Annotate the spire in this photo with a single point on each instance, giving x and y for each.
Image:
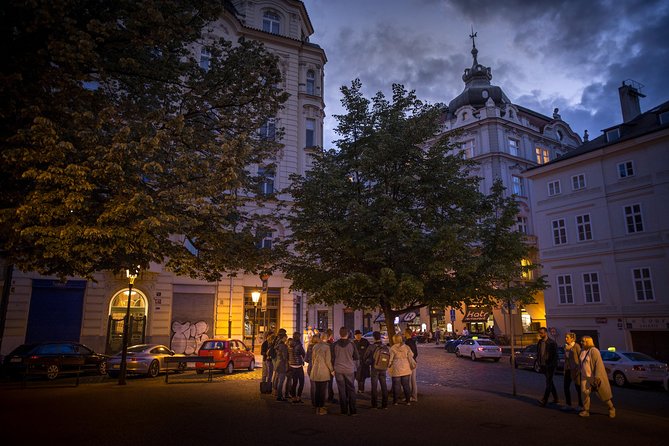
(474, 50)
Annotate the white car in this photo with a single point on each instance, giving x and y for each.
(479, 349)
(633, 367)
(370, 338)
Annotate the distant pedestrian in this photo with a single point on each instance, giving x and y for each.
(465, 332)
(377, 357)
(594, 378)
(547, 359)
(345, 361)
(361, 344)
(437, 336)
(572, 369)
(401, 365)
(295, 368)
(411, 343)
(321, 370)
(267, 366)
(281, 367)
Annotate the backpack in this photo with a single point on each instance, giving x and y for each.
(381, 358)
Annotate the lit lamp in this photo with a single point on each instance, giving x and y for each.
(131, 275)
(255, 296)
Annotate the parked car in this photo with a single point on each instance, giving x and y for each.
(146, 359)
(370, 338)
(633, 367)
(229, 354)
(53, 359)
(477, 348)
(527, 358)
(451, 344)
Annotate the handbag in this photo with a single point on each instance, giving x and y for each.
(412, 362)
(596, 383)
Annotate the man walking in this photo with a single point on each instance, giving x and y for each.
(547, 358)
(378, 358)
(345, 361)
(361, 345)
(572, 369)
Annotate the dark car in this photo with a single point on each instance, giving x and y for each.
(52, 359)
(527, 358)
(451, 344)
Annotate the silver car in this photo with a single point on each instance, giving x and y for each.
(633, 367)
(146, 359)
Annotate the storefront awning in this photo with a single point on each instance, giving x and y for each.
(404, 317)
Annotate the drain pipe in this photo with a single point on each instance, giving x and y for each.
(230, 310)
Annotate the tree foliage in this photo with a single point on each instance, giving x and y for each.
(395, 219)
(116, 144)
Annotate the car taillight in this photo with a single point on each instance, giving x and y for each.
(639, 368)
(34, 357)
(499, 348)
(480, 349)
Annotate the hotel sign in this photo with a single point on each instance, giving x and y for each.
(647, 323)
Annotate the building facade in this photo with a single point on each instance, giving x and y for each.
(602, 223)
(504, 139)
(178, 311)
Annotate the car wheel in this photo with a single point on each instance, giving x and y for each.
(473, 356)
(457, 352)
(154, 369)
(113, 375)
(102, 368)
(182, 366)
(619, 379)
(199, 371)
(536, 367)
(52, 371)
(230, 368)
(495, 359)
(252, 366)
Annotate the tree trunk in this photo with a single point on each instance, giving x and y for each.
(389, 316)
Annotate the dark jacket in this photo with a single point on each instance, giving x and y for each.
(362, 346)
(411, 342)
(551, 356)
(295, 353)
(281, 358)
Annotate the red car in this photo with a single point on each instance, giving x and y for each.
(229, 354)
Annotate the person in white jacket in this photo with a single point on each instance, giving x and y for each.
(400, 366)
(320, 371)
(593, 378)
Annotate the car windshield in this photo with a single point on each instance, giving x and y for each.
(637, 357)
(214, 345)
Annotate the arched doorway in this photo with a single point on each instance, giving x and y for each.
(118, 306)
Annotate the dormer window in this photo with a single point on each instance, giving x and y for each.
(664, 118)
(613, 135)
(464, 116)
(271, 22)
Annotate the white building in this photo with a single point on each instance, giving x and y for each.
(178, 311)
(601, 215)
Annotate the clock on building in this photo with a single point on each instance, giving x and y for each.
(484, 93)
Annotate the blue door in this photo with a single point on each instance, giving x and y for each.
(56, 310)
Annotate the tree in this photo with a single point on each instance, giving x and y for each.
(120, 148)
(395, 220)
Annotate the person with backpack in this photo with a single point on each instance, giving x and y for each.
(295, 368)
(345, 361)
(361, 344)
(377, 357)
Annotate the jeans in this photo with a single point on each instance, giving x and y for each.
(360, 375)
(296, 379)
(404, 381)
(379, 379)
(550, 386)
(319, 389)
(346, 392)
(280, 381)
(267, 371)
(567, 392)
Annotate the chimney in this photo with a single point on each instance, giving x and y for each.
(629, 99)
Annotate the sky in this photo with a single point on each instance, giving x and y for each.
(544, 54)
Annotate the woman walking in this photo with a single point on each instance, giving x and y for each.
(593, 378)
(400, 366)
(321, 371)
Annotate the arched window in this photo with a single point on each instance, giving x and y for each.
(311, 82)
(271, 22)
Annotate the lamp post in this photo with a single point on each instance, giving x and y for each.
(131, 275)
(255, 296)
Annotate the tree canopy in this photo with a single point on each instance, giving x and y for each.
(394, 218)
(121, 147)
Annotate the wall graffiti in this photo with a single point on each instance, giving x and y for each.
(187, 337)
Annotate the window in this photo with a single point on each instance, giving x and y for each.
(554, 188)
(514, 147)
(591, 288)
(205, 59)
(633, 219)
(613, 135)
(310, 132)
(467, 149)
(559, 232)
(271, 22)
(268, 130)
(565, 291)
(578, 181)
(527, 273)
(643, 284)
(521, 224)
(583, 227)
(264, 240)
(311, 82)
(626, 169)
(267, 183)
(518, 185)
(322, 317)
(664, 118)
(543, 156)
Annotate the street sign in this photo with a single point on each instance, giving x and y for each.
(452, 315)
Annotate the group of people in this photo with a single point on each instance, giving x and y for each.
(346, 362)
(583, 367)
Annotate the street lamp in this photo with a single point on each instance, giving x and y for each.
(255, 296)
(131, 275)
